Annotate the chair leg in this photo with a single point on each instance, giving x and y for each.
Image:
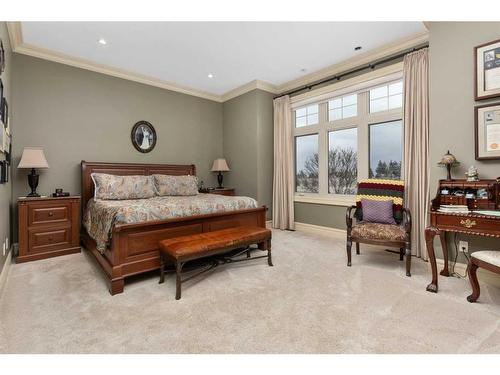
(348, 247)
(357, 248)
(408, 259)
(401, 253)
(474, 283)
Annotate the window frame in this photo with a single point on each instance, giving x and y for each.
(362, 122)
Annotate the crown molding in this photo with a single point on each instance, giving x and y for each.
(18, 46)
(252, 85)
(356, 61)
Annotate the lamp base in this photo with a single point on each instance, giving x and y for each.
(33, 183)
(220, 177)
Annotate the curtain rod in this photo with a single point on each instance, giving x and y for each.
(338, 77)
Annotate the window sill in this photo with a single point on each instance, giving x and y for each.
(345, 201)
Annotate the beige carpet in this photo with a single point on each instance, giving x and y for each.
(309, 302)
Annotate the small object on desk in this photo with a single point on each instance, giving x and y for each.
(472, 174)
(449, 160)
(60, 193)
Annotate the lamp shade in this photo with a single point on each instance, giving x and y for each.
(220, 165)
(33, 157)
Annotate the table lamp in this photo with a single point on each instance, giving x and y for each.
(448, 160)
(220, 165)
(33, 158)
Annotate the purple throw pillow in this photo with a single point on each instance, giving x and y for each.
(377, 211)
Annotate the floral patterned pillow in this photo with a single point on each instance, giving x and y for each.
(111, 187)
(175, 185)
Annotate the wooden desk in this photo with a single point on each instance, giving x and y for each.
(475, 224)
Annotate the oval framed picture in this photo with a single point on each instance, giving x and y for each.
(143, 136)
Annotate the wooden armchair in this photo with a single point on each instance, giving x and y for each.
(391, 235)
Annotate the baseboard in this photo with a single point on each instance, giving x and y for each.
(482, 274)
(318, 229)
(5, 271)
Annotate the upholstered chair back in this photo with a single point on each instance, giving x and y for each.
(381, 190)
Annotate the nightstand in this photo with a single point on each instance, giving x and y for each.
(48, 227)
(223, 191)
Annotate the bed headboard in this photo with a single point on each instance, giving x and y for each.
(123, 169)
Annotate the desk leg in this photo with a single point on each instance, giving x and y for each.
(444, 246)
(430, 233)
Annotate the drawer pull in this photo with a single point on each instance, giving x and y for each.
(468, 223)
(51, 214)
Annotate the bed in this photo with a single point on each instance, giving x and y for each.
(132, 247)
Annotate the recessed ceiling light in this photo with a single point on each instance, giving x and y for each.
(210, 75)
(303, 70)
(357, 48)
(102, 41)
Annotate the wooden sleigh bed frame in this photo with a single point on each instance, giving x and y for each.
(134, 247)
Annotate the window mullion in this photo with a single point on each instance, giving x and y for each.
(323, 149)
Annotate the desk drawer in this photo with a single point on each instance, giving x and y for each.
(49, 214)
(473, 224)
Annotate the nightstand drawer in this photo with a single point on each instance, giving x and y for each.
(48, 214)
(53, 239)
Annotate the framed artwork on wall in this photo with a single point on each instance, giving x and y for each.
(487, 74)
(3, 133)
(143, 136)
(2, 57)
(5, 112)
(487, 131)
(1, 100)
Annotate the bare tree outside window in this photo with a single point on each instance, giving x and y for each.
(342, 161)
(306, 164)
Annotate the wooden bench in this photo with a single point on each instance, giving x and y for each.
(180, 250)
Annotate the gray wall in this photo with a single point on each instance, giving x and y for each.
(451, 79)
(75, 115)
(5, 189)
(248, 145)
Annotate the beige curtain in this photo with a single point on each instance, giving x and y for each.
(283, 217)
(416, 145)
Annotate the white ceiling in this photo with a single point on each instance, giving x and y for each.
(236, 53)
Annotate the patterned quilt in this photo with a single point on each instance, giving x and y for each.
(101, 215)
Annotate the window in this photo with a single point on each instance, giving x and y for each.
(344, 107)
(307, 116)
(342, 161)
(385, 150)
(386, 97)
(306, 164)
(357, 135)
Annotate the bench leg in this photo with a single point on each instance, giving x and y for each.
(162, 269)
(474, 283)
(178, 281)
(269, 257)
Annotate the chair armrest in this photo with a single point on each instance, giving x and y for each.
(407, 220)
(348, 216)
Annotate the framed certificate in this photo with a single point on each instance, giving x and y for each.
(487, 131)
(487, 62)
